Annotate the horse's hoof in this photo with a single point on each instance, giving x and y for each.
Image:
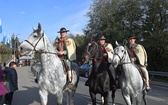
(36, 81)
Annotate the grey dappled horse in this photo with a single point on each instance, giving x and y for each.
(131, 81)
(52, 77)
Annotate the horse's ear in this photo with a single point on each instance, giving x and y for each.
(125, 42)
(39, 26)
(116, 43)
(33, 29)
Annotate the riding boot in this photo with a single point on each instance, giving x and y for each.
(87, 83)
(36, 80)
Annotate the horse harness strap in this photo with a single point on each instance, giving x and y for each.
(34, 46)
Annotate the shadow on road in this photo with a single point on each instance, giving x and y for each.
(29, 96)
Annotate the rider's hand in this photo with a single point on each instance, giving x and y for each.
(133, 59)
(105, 54)
(60, 53)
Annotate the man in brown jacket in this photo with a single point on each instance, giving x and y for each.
(139, 57)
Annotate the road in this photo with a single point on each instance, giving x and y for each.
(28, 92)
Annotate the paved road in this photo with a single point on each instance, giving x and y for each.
(28, 92)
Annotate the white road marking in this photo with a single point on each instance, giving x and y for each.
(155, 98)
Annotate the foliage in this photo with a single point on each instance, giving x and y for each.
(5, 53)
(15, 45)
(147, 19)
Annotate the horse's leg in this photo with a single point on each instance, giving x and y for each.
(131, 98)
(144, 97)
(138, 99)
(106, 96)
(93, 97)
(102, 100)
(71, 98)
(127, 98)
(43, 96)
(68, 97)
(59, 98)
(113, 96)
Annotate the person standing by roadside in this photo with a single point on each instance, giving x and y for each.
(3, 90)
(11, 82)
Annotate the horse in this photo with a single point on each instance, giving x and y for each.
(131, 81)
(52, 77)
(100, 82)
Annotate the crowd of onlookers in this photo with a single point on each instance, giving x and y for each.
(8, 83)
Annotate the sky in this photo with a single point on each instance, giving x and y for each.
(19, 16)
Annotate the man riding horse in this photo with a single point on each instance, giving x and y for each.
(139, 57)
(66, 51)
(107, 51)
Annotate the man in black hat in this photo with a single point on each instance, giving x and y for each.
(139, 57)
(66, 50)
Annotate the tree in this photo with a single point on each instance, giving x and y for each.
(147, 19)
(156, 33)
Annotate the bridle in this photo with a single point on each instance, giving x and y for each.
(121, 58)
(34, 46)
(89, 54)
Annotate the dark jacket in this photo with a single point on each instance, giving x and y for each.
(11, 79)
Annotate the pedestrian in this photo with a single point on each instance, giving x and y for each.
(139, 57)
(3, 90)
(11, 82)
(67, 52)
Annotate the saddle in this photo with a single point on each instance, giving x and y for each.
(65, 65)
(141, 73)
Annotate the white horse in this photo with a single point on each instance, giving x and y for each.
(131, 81)
(52, 77)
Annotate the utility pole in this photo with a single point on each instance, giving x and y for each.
(15, 37)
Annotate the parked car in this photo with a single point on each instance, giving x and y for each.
(84, 70)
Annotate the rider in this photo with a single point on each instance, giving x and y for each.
(107, 50)
(139, 57)
(66, 51)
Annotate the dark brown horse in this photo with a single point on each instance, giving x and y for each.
(100, 79)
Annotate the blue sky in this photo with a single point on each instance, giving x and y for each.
(19, 16)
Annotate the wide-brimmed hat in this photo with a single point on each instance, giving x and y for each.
(63, 30)
(132, 37)
(102, 37)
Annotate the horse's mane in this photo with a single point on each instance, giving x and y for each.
(129, 53)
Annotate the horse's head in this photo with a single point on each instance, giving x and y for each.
(92, 50)
(119, 53)
(35, 41)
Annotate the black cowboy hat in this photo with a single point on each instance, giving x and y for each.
(132, 36)
(63, 30)
(102, 37)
